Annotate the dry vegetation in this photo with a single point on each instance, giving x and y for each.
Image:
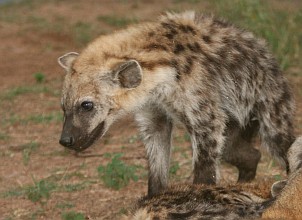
(40, 179)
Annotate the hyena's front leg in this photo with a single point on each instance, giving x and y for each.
(156, 128)
(207, 141)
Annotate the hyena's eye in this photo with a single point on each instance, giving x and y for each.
(87, 105)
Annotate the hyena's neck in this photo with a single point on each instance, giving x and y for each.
(155, 88)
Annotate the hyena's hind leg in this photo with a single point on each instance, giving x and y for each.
(275, 115)
(239, 150)
(156, 130)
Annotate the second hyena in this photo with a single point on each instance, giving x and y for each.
(218, 80)
(229, 202)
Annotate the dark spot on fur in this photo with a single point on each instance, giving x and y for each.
(171, 26)
(277, 108)
(213, 117)
(194, 47)
(226, 200)
(188, 65)
(286, 96)
(184, 215)
(110, 111)
(151, 65)
(204, 152)
(169, 36)
(171, 33)
(178, 48)
(204, 135)
(73, 71)
(187, 29)
(213, 143)
(175, 65)
(151, 34)
(208, 194)
(155, 46)
(166, 25)
(207, 39)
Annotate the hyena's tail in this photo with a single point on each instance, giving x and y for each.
(275, 115)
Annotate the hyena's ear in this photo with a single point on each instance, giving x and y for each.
(66, 60)
(128, 74)
(277, 187)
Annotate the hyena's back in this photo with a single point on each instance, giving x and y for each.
(201, 202)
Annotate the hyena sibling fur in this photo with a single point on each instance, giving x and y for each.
(218, 80)
(202, 202)
(240, 201)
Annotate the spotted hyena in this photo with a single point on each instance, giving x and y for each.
(218, 80)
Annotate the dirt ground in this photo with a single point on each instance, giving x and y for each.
(32, 36)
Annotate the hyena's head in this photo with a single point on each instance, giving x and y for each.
(91, 97)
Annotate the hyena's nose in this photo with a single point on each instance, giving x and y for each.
(67, 141)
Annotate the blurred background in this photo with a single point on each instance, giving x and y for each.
(39, 179)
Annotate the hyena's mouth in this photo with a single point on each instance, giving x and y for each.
(86, 141)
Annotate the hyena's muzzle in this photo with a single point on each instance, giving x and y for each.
(77, 138)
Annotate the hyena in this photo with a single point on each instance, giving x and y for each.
(240, 201)
(218, 80)
(203, 202)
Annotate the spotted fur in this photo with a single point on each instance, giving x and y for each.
(202, 202)
(219, 81)
(240, 201)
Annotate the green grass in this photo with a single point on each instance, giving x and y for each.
(27, 151)
(174, 168)
(72, 215)
(116, 174)
(44, 118)
(56, 117)
(187, 1)
(41, 190)
(82, 32)
(39, 77)
(75, 187)
(7, 12)
(37, 21)
(4, 136)
(64, 205)
(22, 90)
(118, 22)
